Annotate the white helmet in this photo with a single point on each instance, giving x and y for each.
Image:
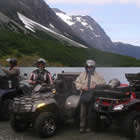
(114, 83)
(41, 60)
(90, 63)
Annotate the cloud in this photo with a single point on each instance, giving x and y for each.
(94, 2)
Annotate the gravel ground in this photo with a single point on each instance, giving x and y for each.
(68, 132)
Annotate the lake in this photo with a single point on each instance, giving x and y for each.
(108, 72)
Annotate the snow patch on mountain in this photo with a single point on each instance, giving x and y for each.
(65, 18)
(32, 25)
(72, 20)
(27, 22)
(51, 26)
(82, 30)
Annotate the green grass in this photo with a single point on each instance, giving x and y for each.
(28, 48)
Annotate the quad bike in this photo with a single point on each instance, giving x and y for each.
(7, 93)
(43, 110)
(120, 105)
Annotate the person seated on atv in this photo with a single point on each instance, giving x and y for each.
(13, 73)
(85, 82)
(40, 75)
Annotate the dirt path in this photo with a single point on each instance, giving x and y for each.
(65, 133)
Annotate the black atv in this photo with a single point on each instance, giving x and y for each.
(120, 105)
(43, 111)
(7, 93)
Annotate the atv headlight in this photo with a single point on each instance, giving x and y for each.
(118, 107)
(53, 91)
(96, 105)
(40, 105)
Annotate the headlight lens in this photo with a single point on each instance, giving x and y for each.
(118, 107)
(40, 105)
(54, 91)
(96, 105)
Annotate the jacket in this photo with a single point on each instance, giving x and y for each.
(82, 80)
(13, 75)
(40, 76)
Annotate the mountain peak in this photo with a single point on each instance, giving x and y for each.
(56, 10)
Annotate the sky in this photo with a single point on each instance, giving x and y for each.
(120, 19)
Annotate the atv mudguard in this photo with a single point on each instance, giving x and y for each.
(7, 93)
(133, 105)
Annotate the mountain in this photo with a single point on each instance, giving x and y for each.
(31, 29)
(88, 29)
(40, 12)
(127, 49)
(93, 34)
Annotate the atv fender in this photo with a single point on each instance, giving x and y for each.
(72, 102)
(6, 93)
(134, 104)
(45, 102)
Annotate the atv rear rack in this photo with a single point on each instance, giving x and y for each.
(112, 99)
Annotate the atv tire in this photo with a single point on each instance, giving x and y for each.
(5, 111)
(45, 125)
(17, 125)
(132, 125)
(96, 122)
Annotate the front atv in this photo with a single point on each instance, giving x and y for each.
(38, 111)
(43, 111)
(118, 105)
(7, 93)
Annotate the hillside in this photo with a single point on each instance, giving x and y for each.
(28, 48)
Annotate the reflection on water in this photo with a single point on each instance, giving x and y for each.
(108, 73)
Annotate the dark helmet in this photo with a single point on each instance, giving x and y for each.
(12, 61)
(114, 83)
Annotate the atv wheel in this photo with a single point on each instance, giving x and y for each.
(96, 122)
(45, 125)
(17, 125)
(99, 124)
(132, 125)
(6, 110)
(136, 125)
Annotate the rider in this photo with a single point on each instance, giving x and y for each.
(13, 73)
(85, 82)
(40, 75)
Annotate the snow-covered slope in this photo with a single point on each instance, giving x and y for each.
(88, 29)
(33, 26)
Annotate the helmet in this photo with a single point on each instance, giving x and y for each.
(12, 61)
(114, 83)
(90, 63)
(41, 60)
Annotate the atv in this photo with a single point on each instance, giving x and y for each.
(7, 93)
(120, 105)
(44, 110)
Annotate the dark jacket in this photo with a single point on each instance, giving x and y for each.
(40, 77)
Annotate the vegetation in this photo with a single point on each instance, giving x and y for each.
(28, 48)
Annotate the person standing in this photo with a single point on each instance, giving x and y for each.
(86, 82)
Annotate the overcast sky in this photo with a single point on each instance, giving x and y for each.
(120, 19)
